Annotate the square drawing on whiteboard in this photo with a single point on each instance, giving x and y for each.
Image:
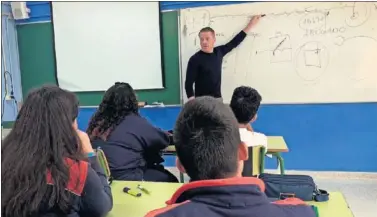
(313, 58)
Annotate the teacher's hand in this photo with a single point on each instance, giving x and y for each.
(254, 20)
(191, 98)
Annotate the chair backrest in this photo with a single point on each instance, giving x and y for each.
(252, 166)
(103, 162)
(101, 156)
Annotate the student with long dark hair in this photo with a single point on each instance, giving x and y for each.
(131, 144)
(44, 168)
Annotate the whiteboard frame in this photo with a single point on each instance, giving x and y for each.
(181, 79)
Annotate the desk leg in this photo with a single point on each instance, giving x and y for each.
(262, 156)
(280, 162)
(181, 177)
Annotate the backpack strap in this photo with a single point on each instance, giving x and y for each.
(320, 195)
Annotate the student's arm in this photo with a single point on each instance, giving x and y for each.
(96, 199)
(191, 73)
(239, 37)
(158, 139)
(249, 128)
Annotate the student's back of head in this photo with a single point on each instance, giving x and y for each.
(118, 102)
(207, 140)
(209, 149)
(42, 136)
(245, 103)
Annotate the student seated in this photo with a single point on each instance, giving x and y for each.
(245, 103)
(131, 144)
(48, 167)
(209, 150)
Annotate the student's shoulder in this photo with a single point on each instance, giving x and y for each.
(253, 138)
(294, 207)
(177, 209)
(245, 134)
(132, 119)
(78, 175)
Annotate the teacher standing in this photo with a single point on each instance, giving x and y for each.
(204, 67)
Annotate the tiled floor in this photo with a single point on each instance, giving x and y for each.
(359, 189)
(361, 195)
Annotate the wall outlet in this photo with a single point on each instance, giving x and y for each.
(8, 97)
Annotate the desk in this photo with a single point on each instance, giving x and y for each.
(276, 145)
(127, 205)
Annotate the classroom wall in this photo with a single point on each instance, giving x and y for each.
(10, 63)
(324, 137)
(38, 64)
(37, 37)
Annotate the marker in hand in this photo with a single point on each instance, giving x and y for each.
(131, 192)
(263, 15)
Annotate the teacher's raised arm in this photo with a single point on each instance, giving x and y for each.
(204, 67)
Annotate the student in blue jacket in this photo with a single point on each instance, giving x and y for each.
(131, 144)
(210, 151)
(48, 167)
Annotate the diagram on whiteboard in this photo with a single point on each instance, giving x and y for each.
(281, 50)
(298, 47)
(360, 14)
(311, 61)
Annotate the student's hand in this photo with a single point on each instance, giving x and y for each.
(85, 142)
(249, 128)
(191, 98)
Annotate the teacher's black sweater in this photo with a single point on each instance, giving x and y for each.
(204, 69)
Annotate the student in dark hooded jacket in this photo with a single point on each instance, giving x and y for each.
(131, 144)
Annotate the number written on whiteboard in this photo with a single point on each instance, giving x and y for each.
(313, 21)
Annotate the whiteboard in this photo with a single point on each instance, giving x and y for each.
(100, 43)
(300, 52)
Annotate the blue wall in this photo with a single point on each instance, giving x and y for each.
(340, 137)
(9, 63)
(323, 137)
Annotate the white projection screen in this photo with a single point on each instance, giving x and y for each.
(100, 43)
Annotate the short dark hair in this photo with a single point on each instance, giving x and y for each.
(207, 29)
(207, 139)
(245, 103)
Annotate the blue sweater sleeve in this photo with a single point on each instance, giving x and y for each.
(232, 43)
(96, 199)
